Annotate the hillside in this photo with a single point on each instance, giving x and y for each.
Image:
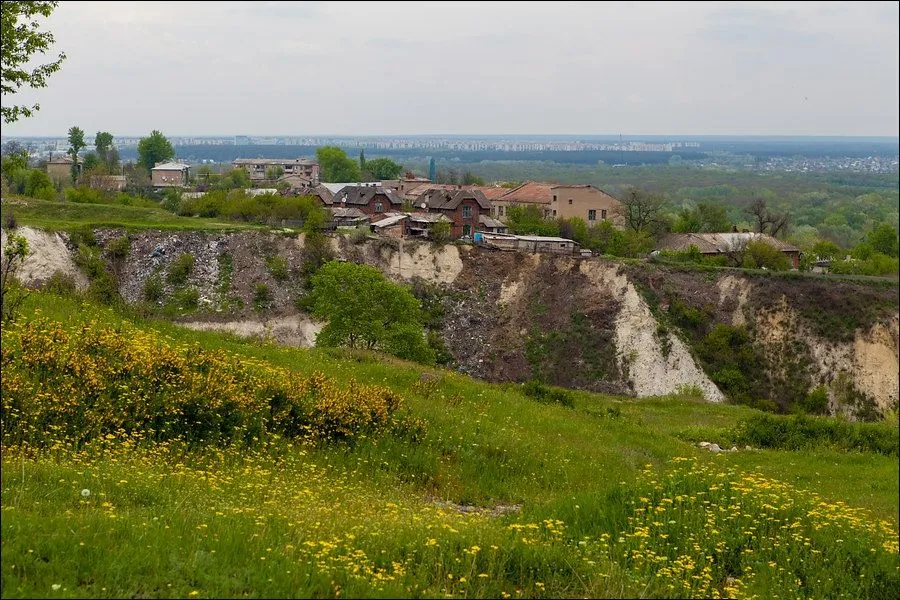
(629, 327)
(478, 490)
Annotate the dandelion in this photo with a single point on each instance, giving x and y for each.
(85, 493)
(55, 586)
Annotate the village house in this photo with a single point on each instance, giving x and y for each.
(585, 202)
(714, 244)
(392, 225)
(527, 243)
(59, 169)
(108, 183)
(463, 208)
(371, 200)
(319, 192)
(491, 225)
(260, 168)
(293, 182)
(557, 201)
(409, 182)
(170, 174)
(420, 224)
(347, 217)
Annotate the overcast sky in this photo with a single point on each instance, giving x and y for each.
(286, 68)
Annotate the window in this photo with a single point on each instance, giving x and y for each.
(467, 212)
(592, 215)
(467, 230)
(570, 201)
(554, 197)
(500, 211)
(554, 213)
(603, 214)
(379, 207)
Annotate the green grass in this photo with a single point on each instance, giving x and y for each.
(63, 216)
(360, 519)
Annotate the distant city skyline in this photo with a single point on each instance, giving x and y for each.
(358, 69)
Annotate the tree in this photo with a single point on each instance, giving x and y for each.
(365, 310)
(108, 155)
(336, 166)
(883, 239)
(154, 149)
(704, 218)
(642, 212)
(470, 178)
(528, 219)
(432, 171)
(22, 38)
(383, 168)
(765, 220)
(11, 292)
(76, 143)
(274, 172)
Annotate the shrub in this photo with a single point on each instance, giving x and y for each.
(61, 284)
(278, 268)
(197, 395)
(104, 288)
(187, 298)
(153, 289)
(547, 395)
(801, 432)
(760, 254)
(359, 235)
(262, 295)
(180, 269)
(118, 248)
(9, 221)
(816, 402)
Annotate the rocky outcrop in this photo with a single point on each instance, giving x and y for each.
(584, 323)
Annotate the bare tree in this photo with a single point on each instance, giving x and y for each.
(767, 221)
(641, 211)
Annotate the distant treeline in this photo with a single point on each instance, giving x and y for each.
(229, 153)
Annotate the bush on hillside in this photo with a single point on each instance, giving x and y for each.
(70, 387)
(801, 432)
(547, 395)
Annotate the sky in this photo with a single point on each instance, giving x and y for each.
(384, 68)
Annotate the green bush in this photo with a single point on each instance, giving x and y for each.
(547, 395)
(816, 402)
(262, 296)
(181, 269)
(153, 289)
(760, 254)
(118, 248)
(278, 268)
(802, 432)
(61, 284)
(186, 298)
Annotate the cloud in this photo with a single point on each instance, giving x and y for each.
(477, 67)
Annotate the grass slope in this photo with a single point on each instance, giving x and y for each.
(62, 216)
(614, 501)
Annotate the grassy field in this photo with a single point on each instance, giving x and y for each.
(495, 495)
(62, 216)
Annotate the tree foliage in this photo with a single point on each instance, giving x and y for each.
(383, 168)
(76, 142)
(706, 217)
(154, 149)
(336, 166)
(365, 310)
(22, 39)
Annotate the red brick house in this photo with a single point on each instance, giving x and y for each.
(463, 207)
(371, 200)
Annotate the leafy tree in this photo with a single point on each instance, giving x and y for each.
(38, 185)
(642, 212)
(883, 239)
(91, 161)
(154, 149)
(76, 143)
(760, 254)
(108, 154)
(470, 178)
(273, 172)
(335, 165)
(12, 294)
(383, 168)
(703, 218)
(528, 219)
(365, 310)
(826, 250)
(22, 38)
